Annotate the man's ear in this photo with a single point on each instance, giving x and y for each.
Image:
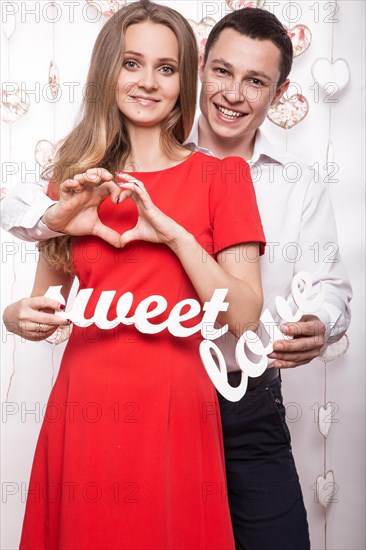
(280, 91)
(201, 65)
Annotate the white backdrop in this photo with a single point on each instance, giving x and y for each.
(28, 369)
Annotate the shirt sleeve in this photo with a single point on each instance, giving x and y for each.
(234, 212)
(321, 257)
(22, 209)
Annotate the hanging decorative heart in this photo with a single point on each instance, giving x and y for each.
(3, 192)
(9, 25)
(325, 419)
(289, 111)
(326, 72)
(326, 488)
(239, 4)
(202, 30)
(335, 350)
(107, 7)
(45, 152)
(14, 105)
(62, 334)
(300, 36)
(54, 79)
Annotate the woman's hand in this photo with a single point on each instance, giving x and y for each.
(76, 212)
(32, 318)
(152, 225)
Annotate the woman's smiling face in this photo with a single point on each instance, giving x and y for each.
(148, 83)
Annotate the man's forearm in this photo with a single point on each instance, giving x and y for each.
(21, 213)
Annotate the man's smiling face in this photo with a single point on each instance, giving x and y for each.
(239, 84)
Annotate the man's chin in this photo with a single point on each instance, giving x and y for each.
(226, 131)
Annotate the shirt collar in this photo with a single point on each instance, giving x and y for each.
(263, 148)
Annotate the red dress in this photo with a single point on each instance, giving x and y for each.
(130, 453)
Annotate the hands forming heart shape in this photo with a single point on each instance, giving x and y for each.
(76, 212)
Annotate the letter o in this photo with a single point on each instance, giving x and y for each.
(52, 497)
(287, 256)
(85, 15)
(256, 172)
(47, 93)
(90, 92)
(286, 12)
(46, 412)
(92, 418)
(54, 7)
(90, 497)
(91, 333)
(298, 412)
(297, 89)
(286, 176)
(92, 253)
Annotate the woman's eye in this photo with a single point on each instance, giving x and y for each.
(130, 64)
(167, 69)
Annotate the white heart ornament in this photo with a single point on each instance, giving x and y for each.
(239, 4)
(62, 334)
(326, 488)
(325, 419)
(107, 7)
(54, 79)
(335, 350)
(14, 105)
(45, 152)
(300, 36)
(289, 111)
(202, 30)
(326, 72)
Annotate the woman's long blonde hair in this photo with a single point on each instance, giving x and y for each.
(100, 138)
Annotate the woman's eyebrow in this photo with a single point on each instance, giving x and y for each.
(161, 59)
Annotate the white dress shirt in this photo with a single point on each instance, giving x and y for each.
(299, 225)
(298, 221)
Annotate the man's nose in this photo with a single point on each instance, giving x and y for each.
(234, 93)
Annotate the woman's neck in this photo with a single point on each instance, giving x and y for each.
(147, 154)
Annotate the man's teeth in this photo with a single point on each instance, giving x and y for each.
(231, 114)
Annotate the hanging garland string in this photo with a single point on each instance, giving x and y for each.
(10, 157)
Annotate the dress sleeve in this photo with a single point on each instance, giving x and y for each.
(233, 206)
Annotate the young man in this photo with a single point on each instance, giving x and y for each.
(244, 71)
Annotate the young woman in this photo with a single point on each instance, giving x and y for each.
(130, 452)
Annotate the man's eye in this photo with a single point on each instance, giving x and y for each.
(256, 82)
(221, 71)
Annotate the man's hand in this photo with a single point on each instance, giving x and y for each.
(308, 339)
(76, 212)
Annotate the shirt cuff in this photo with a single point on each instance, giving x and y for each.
(328, 315)
(42, 232)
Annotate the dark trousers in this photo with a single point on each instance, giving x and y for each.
(266, 503)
